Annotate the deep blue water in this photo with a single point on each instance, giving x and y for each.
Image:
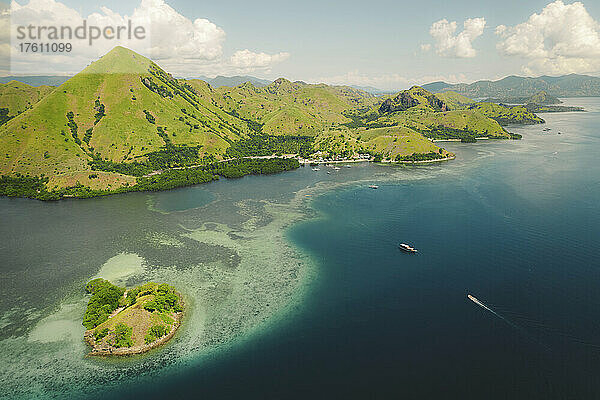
(518, 229)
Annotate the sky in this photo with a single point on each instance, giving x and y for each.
(385, 44)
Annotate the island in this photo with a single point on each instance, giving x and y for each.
(125, 321)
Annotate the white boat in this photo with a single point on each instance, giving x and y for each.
(373, 187)
(316, 169)
(407, 248)
(336, 168)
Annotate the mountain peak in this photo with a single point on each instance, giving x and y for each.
(282, 85)
(120, 60)
(415, 96)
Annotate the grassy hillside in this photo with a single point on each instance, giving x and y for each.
(121, 108)
(290, 108)
(454, 100)
(414, 97)
(398, 141)
(17, 97)
(506, 115)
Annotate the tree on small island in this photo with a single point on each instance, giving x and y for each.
(130, 321)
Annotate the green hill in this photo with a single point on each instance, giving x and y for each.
(454, 100)
(122, 108)
(289, 108)
(414, 97)
(542, 97)
(16, 97)
(507, 115)
(450, 116)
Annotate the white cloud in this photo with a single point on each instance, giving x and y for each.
(248, 60)
(426, 47)
(181, 45)
(450, 44)
(563, 38)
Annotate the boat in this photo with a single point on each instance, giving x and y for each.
(407, 248)
(373, 187)
(336, 168)
(479, 303)
(316, 169)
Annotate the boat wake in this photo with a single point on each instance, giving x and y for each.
(538, 327)
(485, 307)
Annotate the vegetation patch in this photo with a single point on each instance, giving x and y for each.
(99, 108)
(73, 127)
(104, 300)
(4, 117)
(122, 336)
(149, 117)
(154, 333)
(244, 166)
(266, 145)
(420, 157)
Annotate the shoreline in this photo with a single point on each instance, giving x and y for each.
(424, 161)
(305, 162)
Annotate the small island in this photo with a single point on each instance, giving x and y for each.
(124, 321)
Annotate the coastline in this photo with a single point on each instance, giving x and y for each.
(424, 161)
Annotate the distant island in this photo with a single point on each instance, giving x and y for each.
(123, 124)
(572, 85)
(130, 321)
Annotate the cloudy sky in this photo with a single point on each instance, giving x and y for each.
(388, 44)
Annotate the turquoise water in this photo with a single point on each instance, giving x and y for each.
(297, 288)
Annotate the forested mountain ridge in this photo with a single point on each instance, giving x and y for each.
(572, 85)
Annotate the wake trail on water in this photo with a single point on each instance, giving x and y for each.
(539, 326)
(520, 330)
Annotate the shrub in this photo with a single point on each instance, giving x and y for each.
(123, 336)
(104, 300)
(100, 334)
(155, 332)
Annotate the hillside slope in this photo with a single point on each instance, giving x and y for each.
(16, 96)
(289, 108)
(121, 108)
